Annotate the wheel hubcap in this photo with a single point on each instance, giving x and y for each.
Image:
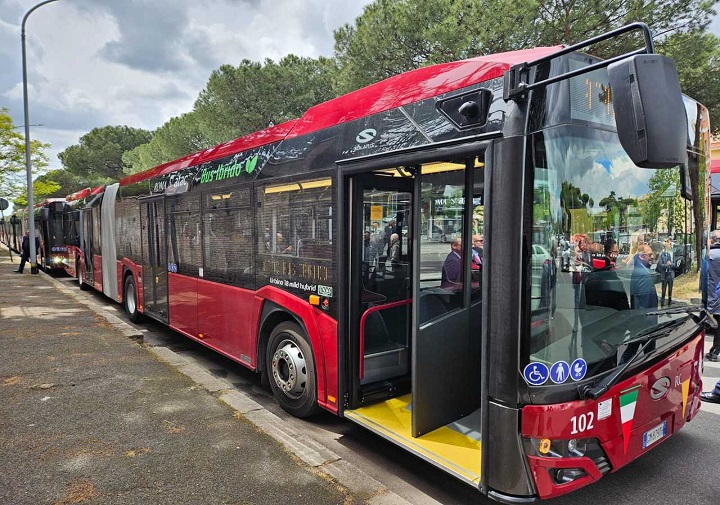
(130, 300)
(288, 369)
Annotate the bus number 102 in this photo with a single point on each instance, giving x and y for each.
(581, 423)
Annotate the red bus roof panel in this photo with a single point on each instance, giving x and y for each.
(250, 141)
(411, 87)
(78, 195)
(390, 93)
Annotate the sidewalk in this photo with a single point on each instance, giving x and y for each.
(88, 415)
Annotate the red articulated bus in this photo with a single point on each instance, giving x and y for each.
(312, 252)
(79, 256)
(49, 226)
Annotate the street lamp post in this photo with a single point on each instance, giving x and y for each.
(28, 162)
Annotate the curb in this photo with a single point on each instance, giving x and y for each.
(303, 447)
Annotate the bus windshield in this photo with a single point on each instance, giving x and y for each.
(609, 238)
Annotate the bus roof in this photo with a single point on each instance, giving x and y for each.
(396, 91)
(78, 195)
(47, 201)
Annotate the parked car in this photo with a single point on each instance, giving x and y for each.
(539, 256)
(683, 258)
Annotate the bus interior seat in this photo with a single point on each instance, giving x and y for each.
(376, 333)
(432, 305)
(314, 248)
(381, 266)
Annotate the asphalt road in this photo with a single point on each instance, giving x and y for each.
(684, 469)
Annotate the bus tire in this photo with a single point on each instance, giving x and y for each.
(130, 299)
(291, 370)
(78, 275)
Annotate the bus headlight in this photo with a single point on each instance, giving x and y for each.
(57, 260)
(572, 448)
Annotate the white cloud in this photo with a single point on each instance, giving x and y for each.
(141, 62)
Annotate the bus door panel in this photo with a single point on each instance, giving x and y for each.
(154, 258)
(381, 279)
(184, 261)
(96, 247)
(86, 222)
(446, 316)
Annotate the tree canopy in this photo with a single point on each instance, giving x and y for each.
(65, 182)
(237, 101)
(97, 159)
(12, 158)
(243, 99)
(176, 138)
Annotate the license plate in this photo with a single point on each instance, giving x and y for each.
(652, 436)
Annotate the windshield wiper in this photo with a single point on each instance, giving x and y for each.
(656, 332)
(587, 391)
(702, 317)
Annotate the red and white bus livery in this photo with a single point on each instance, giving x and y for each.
(393, 256)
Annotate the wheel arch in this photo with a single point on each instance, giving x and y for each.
(271, 316)
(131, 268)
(279, 306)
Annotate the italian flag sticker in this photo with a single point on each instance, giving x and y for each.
(628, 400)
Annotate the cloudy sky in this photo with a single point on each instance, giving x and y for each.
(94, 63)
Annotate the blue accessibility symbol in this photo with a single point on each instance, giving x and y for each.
(536, 374)
(578, 369)
(559, 372)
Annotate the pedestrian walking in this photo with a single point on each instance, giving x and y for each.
(25, 254)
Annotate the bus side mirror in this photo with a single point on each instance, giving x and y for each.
(649, 110)
(44, 214)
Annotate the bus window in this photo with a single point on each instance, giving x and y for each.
(441, 265)
(586, 312)
(227, 236)
(185, 234)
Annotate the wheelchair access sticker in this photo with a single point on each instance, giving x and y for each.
(536, 374)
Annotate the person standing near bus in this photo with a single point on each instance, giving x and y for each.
(642, 295)
(394, 250)
(389, 231)
(25, 255)
(642, 288)
(667, 272)
(582, 265)
(477, 251)
(712, 290)
(711, 294)
(14, 225)
(452, 269)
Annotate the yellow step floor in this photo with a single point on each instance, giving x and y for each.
(455, 447)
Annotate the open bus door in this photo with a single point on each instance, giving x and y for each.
(380, 276)
(447, 313)
(414, 343)
(86, 246)
(154, 258)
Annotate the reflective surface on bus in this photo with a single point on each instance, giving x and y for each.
(442, 263)
(609, 240)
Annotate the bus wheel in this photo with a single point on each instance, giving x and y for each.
(78, 274)
(130, 300)
(291, 370)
